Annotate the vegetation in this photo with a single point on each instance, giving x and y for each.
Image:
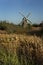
(20, 47)
(8, 27)
(35, 25)
(12, 28)
(21, 50)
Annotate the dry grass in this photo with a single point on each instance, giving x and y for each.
(24, 46)
(14, 40)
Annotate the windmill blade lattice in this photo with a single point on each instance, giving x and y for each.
(29, 21)
(28, 15)
(25, 19)
(21, 14)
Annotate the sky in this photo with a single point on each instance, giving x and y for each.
(9, 10)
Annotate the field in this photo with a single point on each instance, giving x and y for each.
(21, 49)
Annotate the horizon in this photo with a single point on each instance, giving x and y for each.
(9, 10)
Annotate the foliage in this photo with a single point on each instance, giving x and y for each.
(12, 28)
(8, 27)
(35, 25)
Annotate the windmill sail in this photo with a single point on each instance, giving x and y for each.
(24, 22)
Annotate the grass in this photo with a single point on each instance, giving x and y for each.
(17, 49)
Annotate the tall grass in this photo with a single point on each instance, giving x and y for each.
(21, 52)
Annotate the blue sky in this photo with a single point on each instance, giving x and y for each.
(9, 10)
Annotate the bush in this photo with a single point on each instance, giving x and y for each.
(8, 27)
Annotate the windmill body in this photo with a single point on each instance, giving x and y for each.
(24, 22)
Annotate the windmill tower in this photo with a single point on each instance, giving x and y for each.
(25, 21)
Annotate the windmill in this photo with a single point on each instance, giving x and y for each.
(25, 21)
